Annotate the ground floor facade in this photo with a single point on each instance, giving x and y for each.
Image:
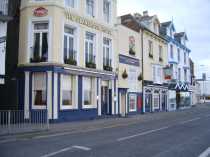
(155, 98)
(67, 93)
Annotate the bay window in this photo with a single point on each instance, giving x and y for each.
(90, 7)
(132, 103)
(90, 50)
(69, 46)
(107, 10)
(107, 55)
(40, 42)
(39, 91)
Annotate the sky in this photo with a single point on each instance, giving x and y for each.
(192, 16)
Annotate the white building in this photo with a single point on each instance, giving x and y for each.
(178, 63)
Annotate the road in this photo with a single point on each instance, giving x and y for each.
(183, 133)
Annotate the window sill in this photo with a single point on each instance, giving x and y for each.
(36, 107)
(89, 106)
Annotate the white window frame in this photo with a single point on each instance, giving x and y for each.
(30, 36)
(75, 42)
(94, 46)
(73, 7)
(93, 94)
(110, 12)
(135, 97)
(94, 9)
(37, 107)
(109, 47)
(74, 83)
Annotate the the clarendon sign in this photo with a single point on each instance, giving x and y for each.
(87, 23)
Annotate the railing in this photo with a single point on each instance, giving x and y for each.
(71, 59)
(3, 7)
(107, 64)
(13, 122)
(90, 60)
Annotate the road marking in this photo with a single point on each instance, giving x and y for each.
(58, 152)
(82, 148)
(205, 153)
(191, 120)
(6, 141)
(141, 134)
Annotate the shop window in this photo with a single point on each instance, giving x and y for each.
(40, 42)
(132, 102)
(89, 92)
(39, 90)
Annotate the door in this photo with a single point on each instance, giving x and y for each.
(104, 100)
(148, 102)
(123, 104)
(164, 101)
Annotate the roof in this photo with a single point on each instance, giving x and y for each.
(180, 35)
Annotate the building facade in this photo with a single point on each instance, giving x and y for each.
(129, 61)
(66, 58)
(178, 65)
(154, 61)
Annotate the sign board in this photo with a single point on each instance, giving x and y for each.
(40, 12)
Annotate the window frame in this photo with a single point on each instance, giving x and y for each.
(93, 9)
(107, 18)
(150, 47)
(135, 97)
(105, 48)
(74, 92)
(93, 42)
(39, 107)
(93, 104)
(69, 6)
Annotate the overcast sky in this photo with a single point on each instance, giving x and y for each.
(192, 16)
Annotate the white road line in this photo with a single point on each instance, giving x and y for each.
(190, 120)
(58, 152)
(6, 141)
(205, 153)
(141, 134)
(82, 148)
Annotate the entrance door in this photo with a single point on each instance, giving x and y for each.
(148, 102)
(164, 102)
(123, 104)
(104, 101)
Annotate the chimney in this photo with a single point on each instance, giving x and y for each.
(145, 13)
(137, 16)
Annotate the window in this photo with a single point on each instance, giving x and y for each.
(156, 100)
(160, 53)
(179, 74)
(178, 52)
(185, 75)
(90, 7)
(150, 48)
(185, 58)
(70, 3)
(89, 47)
(133, 78)
(171, 51)
(132, 102)
(40, 42)
(154, 73)
(66, 91)
(107, 49)
(69, 44)
(88, 91)
(39, 90)
(107, 10)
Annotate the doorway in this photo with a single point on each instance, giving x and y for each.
(105, 100)
(148, 101)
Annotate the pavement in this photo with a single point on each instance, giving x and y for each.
(184, 133)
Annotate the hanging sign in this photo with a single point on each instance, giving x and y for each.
(40, 12)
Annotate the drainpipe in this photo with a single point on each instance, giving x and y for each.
(142, 55)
